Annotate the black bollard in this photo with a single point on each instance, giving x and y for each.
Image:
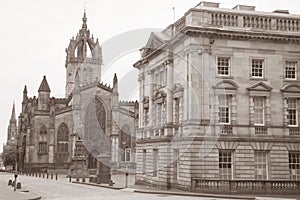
(47, 175)
(77, 179)
(55, 176)
(43, 175)
(83, 180)
(18, 185)
(70, 179)
(39, 174)
(51, 175)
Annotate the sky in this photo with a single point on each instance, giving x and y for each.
(35, 33)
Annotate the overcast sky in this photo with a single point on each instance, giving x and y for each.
(35, 33)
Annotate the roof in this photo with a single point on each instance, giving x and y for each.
(44, 87)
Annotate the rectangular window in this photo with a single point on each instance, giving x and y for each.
(225, 164)
(294, 165)
(261, 165)
(176, 111)
(43, 147)
(259, 110)
(257, 70)
(144, 161)
(224, 109)
(223, 66)
(291, 70)
(292, 112)
(155, 162)
(127, 155)
(176, 164)
(146, 116)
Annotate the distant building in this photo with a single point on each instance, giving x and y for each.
(220, 99)
(72, 133)
(10, 147)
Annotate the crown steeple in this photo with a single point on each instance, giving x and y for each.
(84, 20)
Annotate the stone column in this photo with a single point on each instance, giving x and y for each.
(51, 145)
(233, 110)
(141, 106)
(251, 110)
(151, 111)
(169, 113)
(285, 113)
(268, 111)
(216, 109)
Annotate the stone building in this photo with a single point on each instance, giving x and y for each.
(220, 100)
(57, 133)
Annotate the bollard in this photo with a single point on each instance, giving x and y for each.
(9, 182)
(126, 181)
(18, 185)
(39, 174)
(43, 175)
(51, 175)
(111, 183)
(83, 180)
(77, 179)
(70, 179)
(55, 176)
(47, 175)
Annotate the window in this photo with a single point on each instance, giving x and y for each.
(294, 165)
(291, 70)
(292, 112)
(43, 147)
(223, 66)
(261, 165)
(160, 78)
(225, 164)
(176, 111)
(259, 110)
(155, 162)
(144, 160)
(146, 116)
(127, 155)
(257, 70)
(224, 109)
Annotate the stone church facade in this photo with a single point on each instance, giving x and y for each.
(90, 122)
(219, 102)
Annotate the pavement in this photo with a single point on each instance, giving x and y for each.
(63, 189)
(7, 193)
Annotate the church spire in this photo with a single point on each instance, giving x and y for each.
(84, 20)
(13, 113)
(44, 87)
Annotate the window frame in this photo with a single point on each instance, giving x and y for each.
(227, 100)
(223, 171)
(263, 68)
(229, 65)
(293, 109)
(263, 110)
(260, 162)
(285, 70)
(296, 165)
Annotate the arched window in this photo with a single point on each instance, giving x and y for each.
(43, 146)
(62, 143)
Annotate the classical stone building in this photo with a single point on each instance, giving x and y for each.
(75, 132)
(220, 99)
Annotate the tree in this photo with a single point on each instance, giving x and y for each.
(10, 155)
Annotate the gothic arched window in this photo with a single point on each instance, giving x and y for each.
(62, 143)
(43, 147)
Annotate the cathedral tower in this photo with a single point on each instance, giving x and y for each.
(84, 55)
